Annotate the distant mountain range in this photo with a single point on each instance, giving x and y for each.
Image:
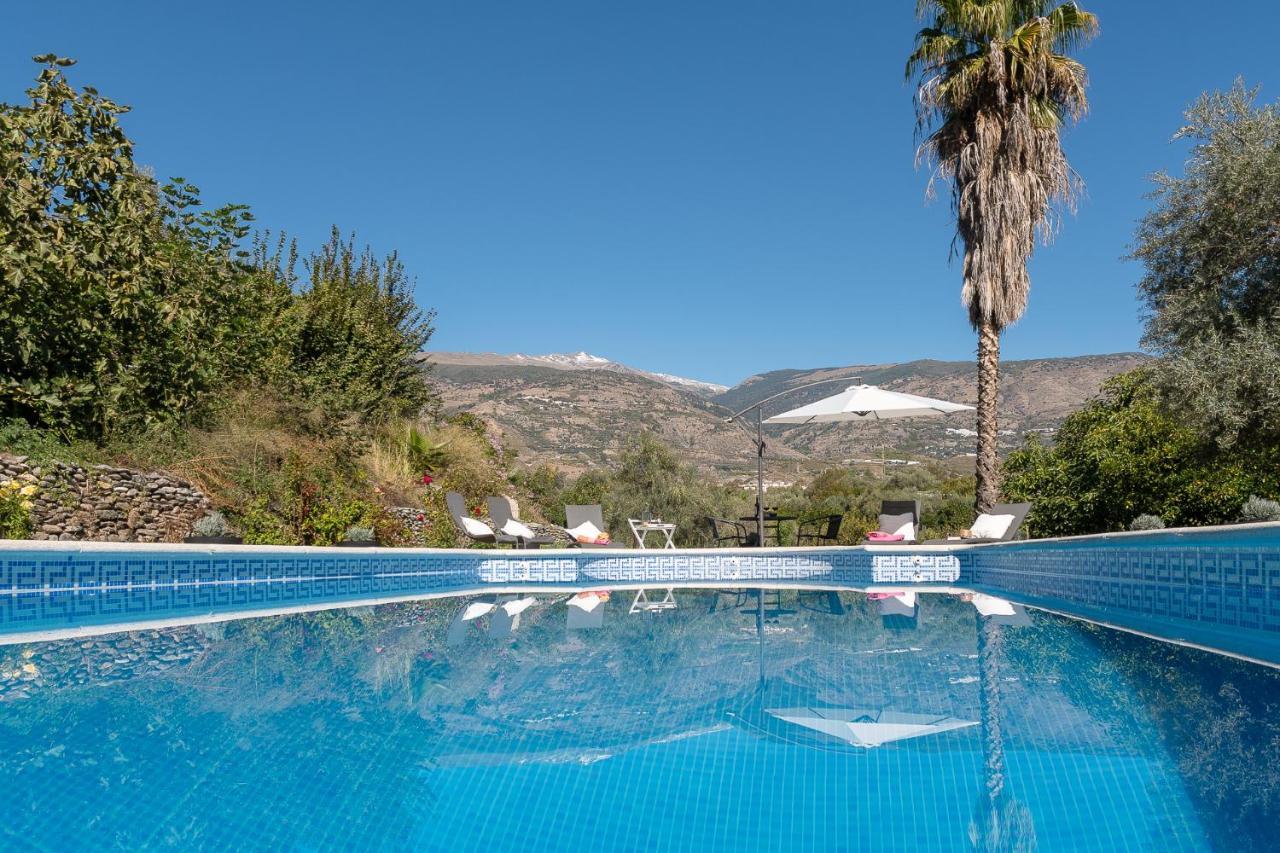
(574, 361)
(576, 410)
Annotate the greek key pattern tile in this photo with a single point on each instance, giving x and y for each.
(60, 588)
(1237, 587)
(1216, 581)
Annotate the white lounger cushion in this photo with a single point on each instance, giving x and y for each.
(902, 525)
(515, 528)
(476, 527)
(991, 526)
(585, 530)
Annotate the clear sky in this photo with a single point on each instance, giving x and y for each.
(708, 188)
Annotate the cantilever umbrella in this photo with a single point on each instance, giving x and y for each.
(867, 403)
(855, 403)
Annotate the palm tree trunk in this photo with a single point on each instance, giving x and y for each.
(987, 492)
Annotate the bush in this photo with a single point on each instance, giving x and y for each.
(1258, 509)
(329, 522)
(1126, 453)
(353, 336)
(260, 526)
(472, 467)
(212, 524)
(650, 479)
(1147, 522)
(440, 531)
(357, 533)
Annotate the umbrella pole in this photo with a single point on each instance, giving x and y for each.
(760, 476)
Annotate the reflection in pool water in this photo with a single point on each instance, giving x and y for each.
(737, 720)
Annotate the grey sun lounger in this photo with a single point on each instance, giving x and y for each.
(900, 508)
(457, 511)
(503, 509)
(1019, 513)
(575, 514)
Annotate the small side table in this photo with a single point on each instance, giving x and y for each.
(640, 529)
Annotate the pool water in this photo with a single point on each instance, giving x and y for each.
(739, 720)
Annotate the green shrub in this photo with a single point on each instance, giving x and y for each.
(328, 523)
(260, 526)
(440, 531)
(1126, 453)
(425, 453)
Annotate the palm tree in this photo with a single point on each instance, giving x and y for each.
(995, 89)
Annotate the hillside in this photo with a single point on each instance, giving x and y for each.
(576, 410)
(579, 418)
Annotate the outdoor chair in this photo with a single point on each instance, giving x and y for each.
(577, 514)
(892, 513)
(819, 530)
(510, 529)
(472, 528)
(1018, 513)
(726, 533)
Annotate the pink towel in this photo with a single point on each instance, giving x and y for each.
(881, 536)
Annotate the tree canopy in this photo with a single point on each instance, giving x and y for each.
(127, 302)
(1211, 251)
(1127, 454)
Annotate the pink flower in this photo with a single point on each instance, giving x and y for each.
(427, 479)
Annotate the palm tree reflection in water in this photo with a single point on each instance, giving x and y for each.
(1000, 823)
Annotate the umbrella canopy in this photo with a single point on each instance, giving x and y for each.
(868, 728)
(867, 403)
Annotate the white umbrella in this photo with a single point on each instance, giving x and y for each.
(868, 728)
(867, 403)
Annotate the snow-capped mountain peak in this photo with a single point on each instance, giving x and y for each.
(583, 361)
(576, 359)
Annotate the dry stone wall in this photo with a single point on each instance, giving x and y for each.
(107, 504)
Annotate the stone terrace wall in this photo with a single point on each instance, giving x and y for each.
(107, 504)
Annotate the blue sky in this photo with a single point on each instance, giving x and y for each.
(712, 188)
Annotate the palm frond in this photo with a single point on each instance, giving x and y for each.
(995, 89)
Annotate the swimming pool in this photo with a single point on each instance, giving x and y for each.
(828, 698)
(743, 719)
(1214, 588)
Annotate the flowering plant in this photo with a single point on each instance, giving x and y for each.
(15, 506)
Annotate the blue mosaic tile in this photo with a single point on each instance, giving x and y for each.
(1214, 579)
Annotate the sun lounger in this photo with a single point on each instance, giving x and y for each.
(510, 529)
(472, 528)
(1010, 515)
(576, 515)
(897, 610)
